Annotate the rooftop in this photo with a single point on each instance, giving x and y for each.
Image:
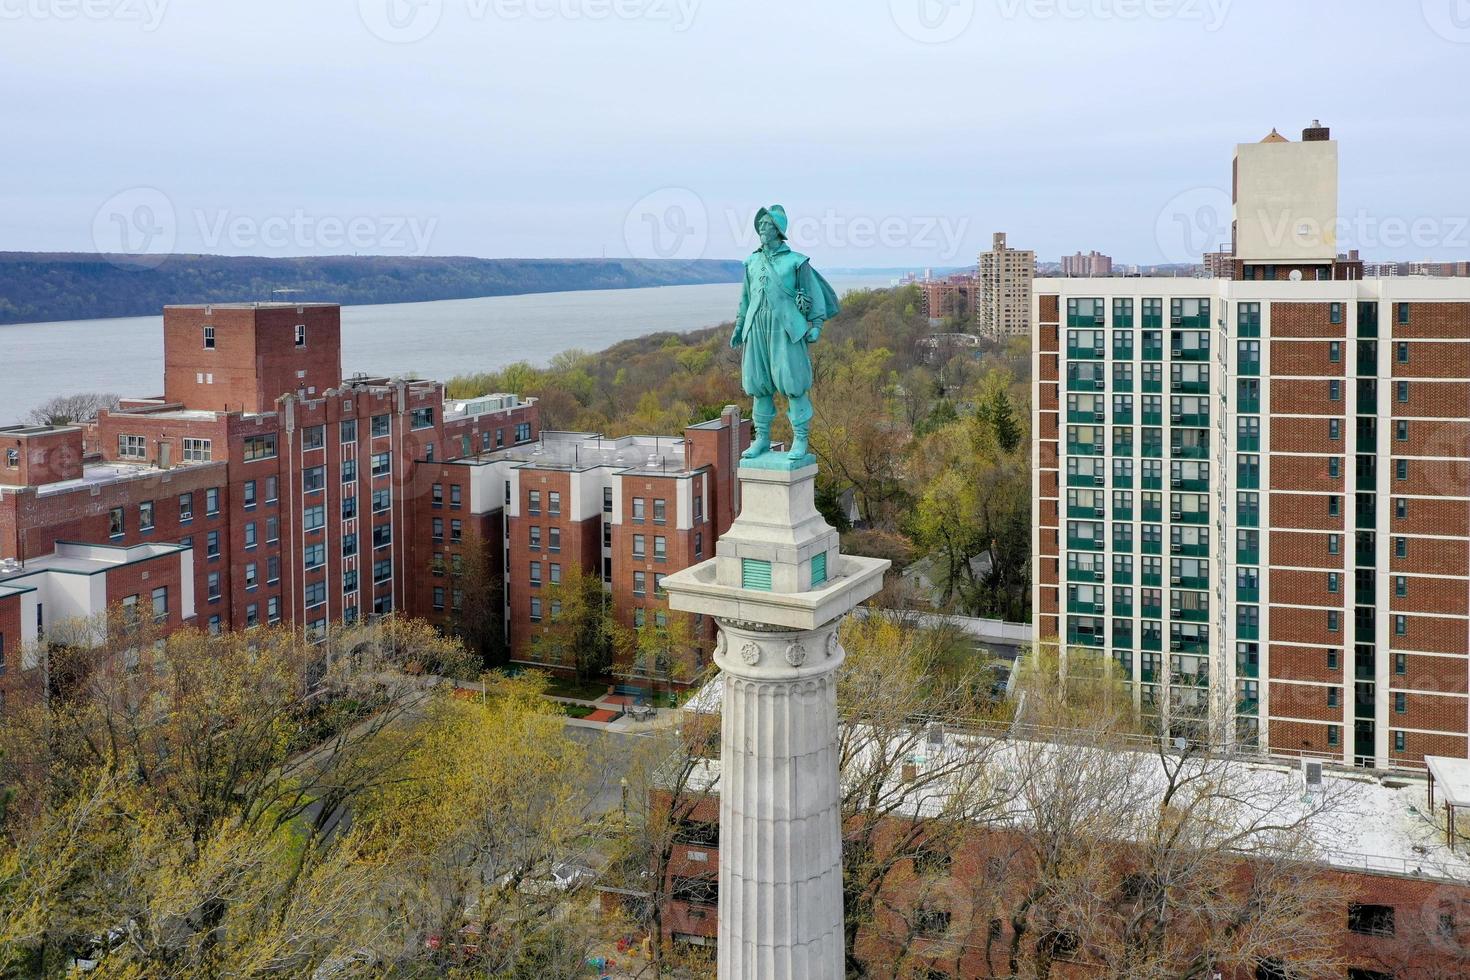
(35, 430)
(258, 305)
(76, 558)
(656, 455)
(98, 474)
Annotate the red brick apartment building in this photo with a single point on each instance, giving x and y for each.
(1405, 912)
(1285, 458)
(311, 499)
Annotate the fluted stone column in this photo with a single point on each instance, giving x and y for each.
(778, 587)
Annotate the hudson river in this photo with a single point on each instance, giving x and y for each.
(431, 340)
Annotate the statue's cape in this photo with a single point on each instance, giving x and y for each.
(810, 285)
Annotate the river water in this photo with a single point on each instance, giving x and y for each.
(437, 340)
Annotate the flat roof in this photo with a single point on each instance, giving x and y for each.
(96, 474)
(36, 430)
(257, 305)
(1451, 777)
(78, 558)
(578, 451)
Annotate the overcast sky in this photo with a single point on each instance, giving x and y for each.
(895, 132)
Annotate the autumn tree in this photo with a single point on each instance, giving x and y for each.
(577, 629)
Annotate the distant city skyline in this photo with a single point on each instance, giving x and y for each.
(578, 128)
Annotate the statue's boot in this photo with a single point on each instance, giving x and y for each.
(763, 413)
(800, 412)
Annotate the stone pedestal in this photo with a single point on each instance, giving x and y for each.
(778, 586)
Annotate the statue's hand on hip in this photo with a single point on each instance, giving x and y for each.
(815, 333)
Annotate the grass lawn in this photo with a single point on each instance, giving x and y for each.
(562, 687)
(577, 710)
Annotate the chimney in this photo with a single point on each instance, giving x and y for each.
(1316, 133)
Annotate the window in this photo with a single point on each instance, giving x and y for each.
(382, 464)
(1400, 507)
(251, 575)
(640, 583)
(1401, 547)
(186, 507)
(659, 511)
(211, 545)
(1334, 506)
(1371, 920)
(1401, 469)
(698, 503)
(314, 555)
(349, 581)
(252, 615)
(698, 542)
(437, 526)
(347, 430)
(272, 530)
(535, 609)
(554, 536)
(349, 544)
(638, 616)
(382, 535)
(270, 489)
(456, 530)
(638, 546)
(1400, 586)
(249, 534)
(1334, 732)
(1334, 621)
(1332, 660)
(1334, 351)
(438, 597)
(160, 604)
(145, 516)
(349, 471)
(1401, 390)
(259, 447)
(208, 337)
(607, 500)
(555, 573)
(273, 569)
(553, 503)
(1334, 466)
(1400, 626)
(456, 496)
(1401, 431)
(381, 425)
(314, 518)
(247, 493)
(211, 501)
(436, 495)
(1334, 544)
(1334, 429)
(273, 609)
(658, 583)
(1333, 580)
(638, 509)
(1334, 391)
(382, 500)
(213, 585)
(198, 450)
(300, 335)
(1398, 741)
(132, 447)
(313, 478)
(421, 418)
(315, 593)
(1401, 351)
(382, 571)
(1400, 664)
(660, 548)
(533, 503)
(535, 574)
(535, 533)
(523, 432)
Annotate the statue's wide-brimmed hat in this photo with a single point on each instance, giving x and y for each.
(778, 215)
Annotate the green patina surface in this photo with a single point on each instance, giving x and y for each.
(783, 304)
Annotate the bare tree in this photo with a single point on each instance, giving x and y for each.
(66, 409)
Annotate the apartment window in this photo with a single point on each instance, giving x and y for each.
(421, 418)
(1400, 626)
(456, 496)
(1401, 586)
(347, 430)
(555, 573)
(1333, 621)
(213, 586)
(382, 535)
(271, 484)
(211, 544)
(382, 464)
(313, 478)
(382, 605)
(1401, 351)
(1334, 429)
(300, 335)
(1334, 351)
(698, 542)
(349, 471)
(1401, 431)
(382, 571)
(1402, 310)
(252, 615)
(273, 569)
(1334, 544)
(554, 536)
(437, 527)
(132, 447)
(1334, 506)
(208, 337)
(553, 503)
(499, 438)
(382, 499)
(638, 547)
(186, 507)
(211, 501)
(1401, 390)
(535, 533)
(259, 447)
(659, 511)
(698, 503)
(273, 609)
(456, 530)
(1333, 580)
(349, 581)
(313, 437)
(535, 609)
(1335, 312)
(1398, 741)
(533, 503)
(456, 564)
(381, 425)
(638, 509)
(349, 544)
(12, 457)
(1400, 664)
(198, 450)
(1401, 547)
(214, 625)
(247, 494)
(272, 530)
(1332, 660)
(1332, 697)
(250, 575)
(1400, 507)
(658, 583)
(1334, 467)
(607, 500)
(535, 574)
(314, 555)
(523, 432)
(436, 495)
(1401, 469)
(660, 548)
(145, 516)
(250, 534)
(439, 597)
(606, 535)
(640, 583)
(638, 618)
(1334, 732)
(1334, 391)
(314, 518)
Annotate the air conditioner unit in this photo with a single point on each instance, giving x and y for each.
(1099, 481)
(1176, 320)
(1097, 512)
(1099, 417)
(1176, 417)
(1175, 515)
(1102, 384)
(1099, 320)
(1176, 482)
(1175, 385)
(1174, 580)
(1176, 549)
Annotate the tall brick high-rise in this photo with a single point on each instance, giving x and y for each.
(1254, 493)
